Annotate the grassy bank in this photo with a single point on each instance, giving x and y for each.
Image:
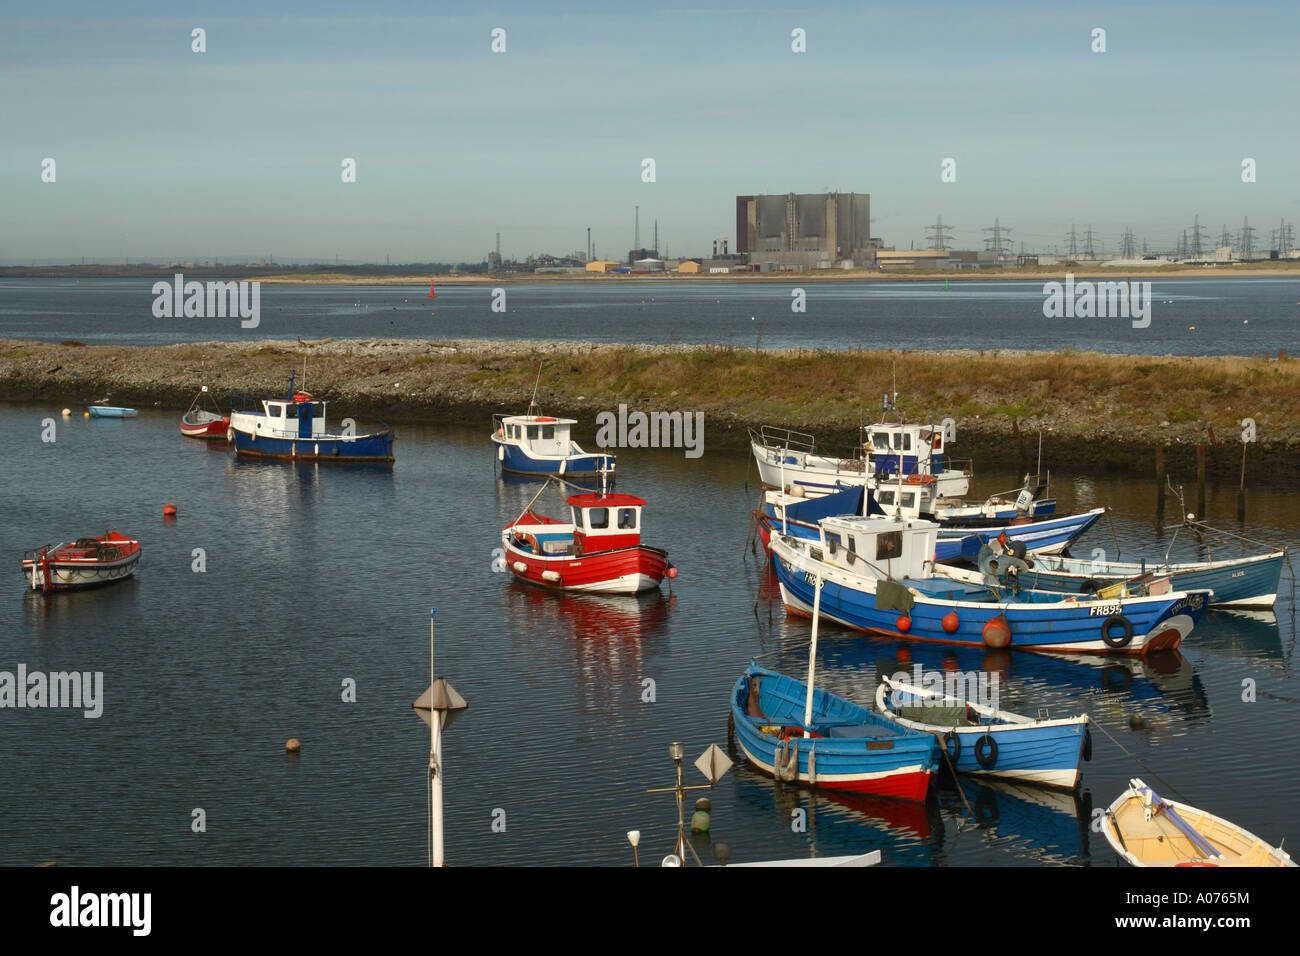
(1098, 413)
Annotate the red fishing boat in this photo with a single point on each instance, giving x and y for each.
(201, 423)
(599, 549)
(84, 563)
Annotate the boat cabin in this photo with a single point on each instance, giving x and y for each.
(296, 416)
(605, 522)
(900, 448)
(884, 547)
(539, 435)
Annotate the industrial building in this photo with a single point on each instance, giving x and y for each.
(805, 231)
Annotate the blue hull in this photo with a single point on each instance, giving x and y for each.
(1249, 583)
(1033, 621)
(1048, 755)
(376, 447)
(109, 411)
(521, 462)
(856, 749)
(1050, 536)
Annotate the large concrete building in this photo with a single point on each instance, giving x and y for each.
(805, 231)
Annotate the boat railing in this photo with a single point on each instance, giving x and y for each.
(964, 465)
(771, 437)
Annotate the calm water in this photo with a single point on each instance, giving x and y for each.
(319, 574)
(1231, 316)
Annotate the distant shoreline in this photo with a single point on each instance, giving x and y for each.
(270, 275)
(1097, 413)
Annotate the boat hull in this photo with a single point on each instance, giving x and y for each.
(213, 428)
(619, 571)
(108, 411)
(69, 568)
(373, 447)
(879, 762)
(520, 461)
(1046, 753)
(1245, 583)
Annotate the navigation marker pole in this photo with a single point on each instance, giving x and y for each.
(438, 706)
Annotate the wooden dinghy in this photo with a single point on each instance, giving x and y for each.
(1148, 830)
(86, 562)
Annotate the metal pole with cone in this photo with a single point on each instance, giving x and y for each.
(438, 706)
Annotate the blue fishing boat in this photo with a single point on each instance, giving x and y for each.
(1244, 582)
(536, 444)
(980, 739)
(292, 426)
(111, 411)
(844, 747)
(878, 575)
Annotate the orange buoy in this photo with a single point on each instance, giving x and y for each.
(951, 622)
(292, 745)
(997, 632)
(672, 573)
(904, 623)
(169, 510)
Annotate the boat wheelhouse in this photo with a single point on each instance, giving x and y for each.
(292, 426)
(599, 549)
(536, 444)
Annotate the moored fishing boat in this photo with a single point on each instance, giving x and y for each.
(86, 562)
(536, 444)
(292, 427)
(599, 549)
(844, 746)
(201, 423)
(879, 576)
(1145, 829)
(1245, 582)
(980, 739)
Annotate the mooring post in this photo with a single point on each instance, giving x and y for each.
(1160, 482)
(1241, 490)
(1200, 481)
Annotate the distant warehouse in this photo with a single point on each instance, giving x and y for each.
(806, 231)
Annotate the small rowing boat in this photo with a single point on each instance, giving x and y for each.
(204, 424)
(86, 562)
(1147, 830)
(984, 740)
(111, 411)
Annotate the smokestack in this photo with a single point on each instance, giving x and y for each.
(715, 248)
(724, 247)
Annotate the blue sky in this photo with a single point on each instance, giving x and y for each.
(165, 152)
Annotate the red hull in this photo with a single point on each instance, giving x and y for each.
(209, 430)
(620, 571)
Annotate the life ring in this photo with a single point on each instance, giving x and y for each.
(1087, 742)
(527, 540)
(953, 752)
(1090, 586)
(986, 752)
(1126, 626)
(915, 479)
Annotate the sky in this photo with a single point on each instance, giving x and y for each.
(161, 152)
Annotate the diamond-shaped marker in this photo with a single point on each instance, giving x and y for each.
(713, 763)
(445, 700)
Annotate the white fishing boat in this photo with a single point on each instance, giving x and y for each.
(1147, 830)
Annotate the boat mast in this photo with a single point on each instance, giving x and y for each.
(532, 404)
(812, 653)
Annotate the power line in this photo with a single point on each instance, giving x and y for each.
(938, 240)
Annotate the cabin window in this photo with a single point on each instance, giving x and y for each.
(832, 543)
(853, 544)
(881, 442)
(627, 519)
(532, 432)
(909, 499)
(577, 517)
(886, 497)
(889, 544)
(907, 441)
(597, 518)
(548, 432)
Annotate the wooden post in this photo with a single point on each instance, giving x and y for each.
(1200, 482)
(1241, 491)
(1160, 482)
